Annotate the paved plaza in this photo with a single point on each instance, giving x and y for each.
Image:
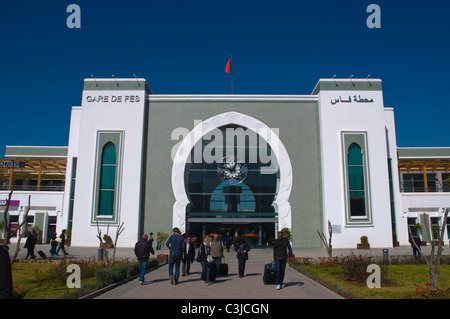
(251, 286)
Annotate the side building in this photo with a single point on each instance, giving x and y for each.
(36, 178)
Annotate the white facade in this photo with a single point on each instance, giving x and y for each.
(127, 119)
(348, 115)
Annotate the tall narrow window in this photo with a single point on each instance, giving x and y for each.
(107, 180)
(356, 181)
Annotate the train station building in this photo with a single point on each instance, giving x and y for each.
(225, 163)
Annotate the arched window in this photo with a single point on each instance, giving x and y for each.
(356, 181)
(107, 180)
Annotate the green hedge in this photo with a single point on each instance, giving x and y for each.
(108, 276)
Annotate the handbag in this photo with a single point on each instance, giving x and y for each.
(209, 258)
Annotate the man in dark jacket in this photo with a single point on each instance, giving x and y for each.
(242, 248)
(142, 250)
(189, 256)
(415, 242)
(5, 273)
(30, 244)
(280, 247)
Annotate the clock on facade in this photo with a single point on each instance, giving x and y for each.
(232, 170)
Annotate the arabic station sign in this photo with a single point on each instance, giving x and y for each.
(357, 99)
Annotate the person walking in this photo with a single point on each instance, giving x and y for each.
(189, 255)
(205, 259)
(30, 243)
(177, 247)
(158, 241)
(6, 281)
(61, 243)
(242, 248)
(415, 242)
(217, 251)
(227, 241)
(280, 247)
(150, 239)
(53, 244)
(142, 249)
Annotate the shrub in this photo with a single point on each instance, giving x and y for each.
(286, 233)
(415, 260)
(355, 267)
(428, 293)
(78, 293)
(364, 239)
(109, 276)
(88, 268)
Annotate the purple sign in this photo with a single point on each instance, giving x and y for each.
(3, 202)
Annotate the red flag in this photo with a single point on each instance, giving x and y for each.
(228, 67)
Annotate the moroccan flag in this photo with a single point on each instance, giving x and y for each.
(228, 67)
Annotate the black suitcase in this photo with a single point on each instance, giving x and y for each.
(223, 269)
(269, 277)
(41, 253)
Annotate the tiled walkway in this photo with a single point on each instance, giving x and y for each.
(251, 286)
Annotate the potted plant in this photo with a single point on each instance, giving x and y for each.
(435, 229)
(364, 243)
(38, 232)
(394, 235)
(162, 237)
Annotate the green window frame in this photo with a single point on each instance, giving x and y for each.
(107, 178)
(355, 158)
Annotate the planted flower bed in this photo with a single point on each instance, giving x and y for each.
(401, 276)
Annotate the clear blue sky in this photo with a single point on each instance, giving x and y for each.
(181, 47)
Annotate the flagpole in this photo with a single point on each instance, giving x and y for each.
(231, 72)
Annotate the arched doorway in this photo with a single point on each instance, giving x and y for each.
(220, 185)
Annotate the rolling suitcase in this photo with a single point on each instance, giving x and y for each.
(41, 253)
(269, 276)
(223, 269)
